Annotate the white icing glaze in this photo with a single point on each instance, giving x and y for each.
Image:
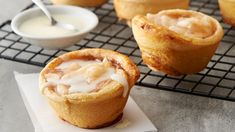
(193, 26)
(85, 76)
(80, 62)
(40, 26)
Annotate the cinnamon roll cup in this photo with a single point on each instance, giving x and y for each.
(171, 52)
(227, 9)
(94, 109)
(127, 9)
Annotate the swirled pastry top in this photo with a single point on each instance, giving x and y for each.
(188, 23)
(85, 76)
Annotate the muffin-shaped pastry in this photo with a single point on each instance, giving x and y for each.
(227, 9)
(89, 88)
(84, 3)
(177, 41)
(127, 9)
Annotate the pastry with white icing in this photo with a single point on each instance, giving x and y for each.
(177, 41)
(89, 88)
(127, 9)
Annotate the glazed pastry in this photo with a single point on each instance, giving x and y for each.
(89, 88)
(177, 41)
(227, 9)
(84, 3)
(127, 9)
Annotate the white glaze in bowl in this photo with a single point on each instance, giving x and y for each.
(87, 17)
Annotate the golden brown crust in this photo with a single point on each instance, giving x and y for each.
(91, 110)
(104, 125)
(90, 115)
(227, 9)
(127, 9)
(84, 3)
(173, 53)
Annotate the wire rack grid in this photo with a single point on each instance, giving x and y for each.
(217, 80)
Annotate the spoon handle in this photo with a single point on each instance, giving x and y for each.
(40, 4)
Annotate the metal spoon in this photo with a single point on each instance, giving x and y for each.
(40, 4)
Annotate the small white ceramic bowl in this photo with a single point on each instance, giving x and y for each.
(89, 19)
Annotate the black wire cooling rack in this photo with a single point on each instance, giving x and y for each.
(216, 81)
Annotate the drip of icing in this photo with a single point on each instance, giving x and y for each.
(123, 124)
(122, 80)
(86, 77)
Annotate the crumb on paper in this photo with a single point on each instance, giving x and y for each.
(122, 124)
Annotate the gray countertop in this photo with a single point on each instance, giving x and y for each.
(9, 8)
(169, 111)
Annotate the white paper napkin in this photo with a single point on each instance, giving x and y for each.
(45, 120)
